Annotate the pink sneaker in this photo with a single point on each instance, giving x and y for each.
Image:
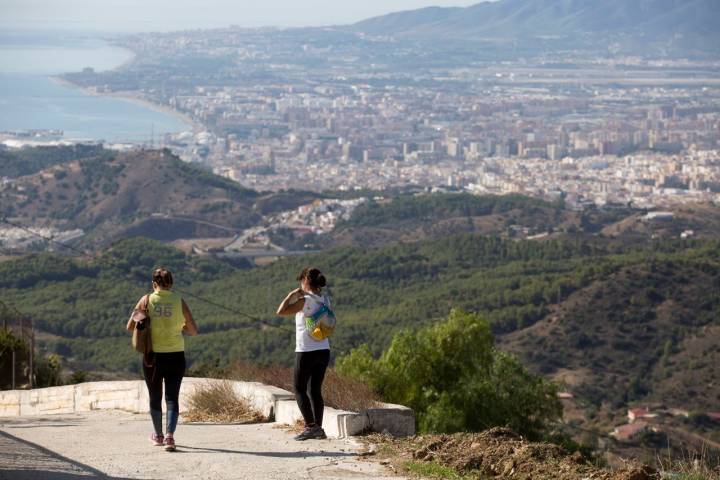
(156, 439)
(169, 443)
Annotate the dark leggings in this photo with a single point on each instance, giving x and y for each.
(168, 367)
(310, 368)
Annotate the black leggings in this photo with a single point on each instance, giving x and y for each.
(310, 368)
(170, 368)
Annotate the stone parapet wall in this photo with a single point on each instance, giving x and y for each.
(131, 396)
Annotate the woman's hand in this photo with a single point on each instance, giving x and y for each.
(140, 305)
(296, 295)
(190, 327)
(293, 303)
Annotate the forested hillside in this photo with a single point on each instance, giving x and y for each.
(408, 218)
(623, 319)
(648, 330)
(611, 303)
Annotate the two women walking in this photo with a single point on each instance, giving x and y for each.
(170, 318)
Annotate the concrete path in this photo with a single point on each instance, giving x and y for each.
(114, 445)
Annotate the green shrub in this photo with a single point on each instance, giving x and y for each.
(79, 376)
(455, 380)
(48, 371)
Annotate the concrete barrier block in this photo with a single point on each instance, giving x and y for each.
(336, 423)
(351, 424)
(262, 397)
(397, 420)
(333, 422)
(287, 412)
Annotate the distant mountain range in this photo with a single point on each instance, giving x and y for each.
(683, 22)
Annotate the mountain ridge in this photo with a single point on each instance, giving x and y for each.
(650, 20)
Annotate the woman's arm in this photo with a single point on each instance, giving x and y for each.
(293, 303)
(130, 324)
(190, 326)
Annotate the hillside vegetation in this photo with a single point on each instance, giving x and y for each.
(572, 305)
(617, 318)
(18, 163)
(646, 330)
(455, 380)
(114, 195)
(409, 218)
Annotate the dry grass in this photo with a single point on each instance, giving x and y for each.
(217, 402)
(495, 453)
(693, 467)
(338, 391)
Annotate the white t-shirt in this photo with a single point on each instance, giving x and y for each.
(303, 341)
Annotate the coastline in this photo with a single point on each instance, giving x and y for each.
(134, 97)
(138, 99)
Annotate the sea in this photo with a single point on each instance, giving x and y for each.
(31, 100)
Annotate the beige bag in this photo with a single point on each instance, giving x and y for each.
(141, 338)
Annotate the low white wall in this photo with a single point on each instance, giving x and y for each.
(131, 396)
(395, 420)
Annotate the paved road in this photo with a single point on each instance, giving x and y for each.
(114, 445)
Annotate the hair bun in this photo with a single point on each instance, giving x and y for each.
(313, 275)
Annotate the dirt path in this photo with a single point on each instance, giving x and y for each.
(114, 445)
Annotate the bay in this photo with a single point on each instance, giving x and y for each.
(31, 99)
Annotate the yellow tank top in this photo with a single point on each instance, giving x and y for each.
(166, 321)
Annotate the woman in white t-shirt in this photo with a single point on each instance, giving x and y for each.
(311, 356)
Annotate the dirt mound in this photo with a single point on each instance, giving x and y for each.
(501, 453)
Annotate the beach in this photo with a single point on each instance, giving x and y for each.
(36, 95)
(136, 98)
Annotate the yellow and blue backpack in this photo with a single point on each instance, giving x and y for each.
(321, 324)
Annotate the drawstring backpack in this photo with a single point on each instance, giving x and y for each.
(321, 324)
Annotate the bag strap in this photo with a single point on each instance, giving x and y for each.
(145, 302)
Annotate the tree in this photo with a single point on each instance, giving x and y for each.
(48, 371)
(455, 380)
(9, 343)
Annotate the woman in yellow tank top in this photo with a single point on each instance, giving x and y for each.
(170, 317)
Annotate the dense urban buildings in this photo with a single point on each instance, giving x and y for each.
(328, 110)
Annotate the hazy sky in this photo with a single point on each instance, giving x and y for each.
(145, 15)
